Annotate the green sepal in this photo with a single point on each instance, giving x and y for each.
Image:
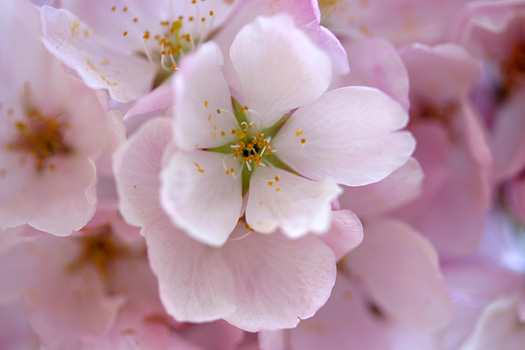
(246, 175)
(276, 162)
(271, 131)
(239, 111)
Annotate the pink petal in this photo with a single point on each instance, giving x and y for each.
(194, 280)
(125, 76)
(278, 281)
(399, 188)
(294, 204)
(439, 73)
(214, 335)
(345, 234)
(455, 193)
(257, 282)
(498, 328)
(351, 135)
(278, 66)
(401, 270)
(201, 92)
(375, 63)
(508, 138)
(202, 197)
(137, 165)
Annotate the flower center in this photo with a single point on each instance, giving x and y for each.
(42, 137)
(183, 34)
(98, 248)
(250, 149)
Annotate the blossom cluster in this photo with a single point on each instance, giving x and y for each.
(262, 174)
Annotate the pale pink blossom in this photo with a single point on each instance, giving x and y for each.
(275, 155)
(129, 47)
(254, 281)
(53, 129)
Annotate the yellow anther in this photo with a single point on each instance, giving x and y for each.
(232, 170)
(240, 134)
(125, 9)
(211, 13)
(278, 189)
(146, 35)
(173, 67)
(223, 133)
(177, 24)
(303, 140)
(135, 19)
(206, 103)
(113, 8)
(125, 33)
(277, 178)
(298, 132)
(270, 183)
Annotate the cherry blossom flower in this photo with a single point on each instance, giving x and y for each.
(253, 281)
(278, 151)
(128, 47)
(53, 129)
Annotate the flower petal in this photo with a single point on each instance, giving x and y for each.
(200, 93)
(279, 68)
(401, 270)
(349, 134)
(294, 204)
(278, 281)
(345, 234)
(201, 194)
(101, 64)
(401, 187)
(194, 281)
(137, 165)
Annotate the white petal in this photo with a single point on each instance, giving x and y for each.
(100, 64)
(278, 66)
(200, 90)
(137, 166)
(194, 281)
(294, 204)
(200, 197)
(349, 134)
(278, 281)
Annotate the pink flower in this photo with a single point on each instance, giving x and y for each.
(279, 149)
(53, 129)
(130, 46)
(257, 282)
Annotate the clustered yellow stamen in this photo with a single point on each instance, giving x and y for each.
(250, 149)
(99, 249)
(42, 137)
(174, 40)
